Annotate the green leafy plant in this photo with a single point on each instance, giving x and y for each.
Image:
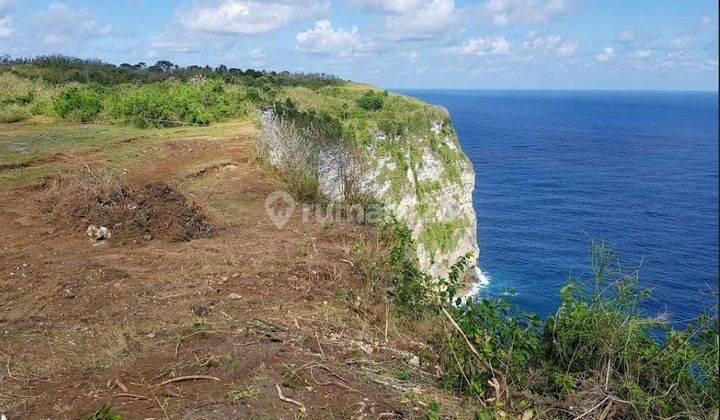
(370, 101)
(103, 413)
(78, 104)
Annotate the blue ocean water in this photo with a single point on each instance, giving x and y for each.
(555, 169)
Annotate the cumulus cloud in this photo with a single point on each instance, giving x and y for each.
(322, 38)
(60, 25)
(482, 46)
(607, 54)
(510, 12)
(551, 44)
(641, 54)
(626, 37)
(248, 17)
(426, 19)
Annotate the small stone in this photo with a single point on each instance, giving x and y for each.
(147, 237)
(234, 296)
(69, 294)
(414, 361)
(98, 233)
(367, 348)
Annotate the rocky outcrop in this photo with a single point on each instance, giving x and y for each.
(425, 181)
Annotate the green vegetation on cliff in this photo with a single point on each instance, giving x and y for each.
(599, 353)
(322, 107)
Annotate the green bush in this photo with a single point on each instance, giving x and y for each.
(78, 104)
(598, 350)
(13, 114)
(171, 103)
(370, 101)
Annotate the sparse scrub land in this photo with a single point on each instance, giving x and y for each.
(143, 324)
(599, 355)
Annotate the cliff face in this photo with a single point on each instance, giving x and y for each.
(425, 180)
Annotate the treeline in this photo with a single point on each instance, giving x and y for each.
(59, 69)
(161, 94)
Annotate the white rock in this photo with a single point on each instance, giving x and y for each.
(234, 296)
(414, 361)
(98, 233)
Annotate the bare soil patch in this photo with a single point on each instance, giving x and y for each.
(131, 212)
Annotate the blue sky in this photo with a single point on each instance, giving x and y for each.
(559, 44)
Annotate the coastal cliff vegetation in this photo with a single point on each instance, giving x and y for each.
(599, 356)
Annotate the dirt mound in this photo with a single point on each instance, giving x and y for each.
(132, 212)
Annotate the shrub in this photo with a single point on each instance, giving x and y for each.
(171, 104)
(370, 101)
(599, 352)
(78, 104)
(13, 114)
(303, 185)
(600, 335)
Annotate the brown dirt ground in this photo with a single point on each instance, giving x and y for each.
(85, 323)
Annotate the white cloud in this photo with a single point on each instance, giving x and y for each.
(324, 39)
(706, 21)
(641, 54)
(6, 6)
(5, 27)
(551, 44)
(509, 12)
(679, 42)
(426, 19)
(386, 6)
(626, 37)
(606, 55)
(248, 17)
(411, 55)
(59, 25)
(482, 46)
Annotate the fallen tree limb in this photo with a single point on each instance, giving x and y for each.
(136, 396)
(188, 378)
(467, 341)
(288, 400)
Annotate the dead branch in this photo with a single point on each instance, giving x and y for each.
(187, 378)
(595, 407)
(288, 400)
(136, 396)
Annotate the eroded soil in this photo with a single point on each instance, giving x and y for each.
(211, 325)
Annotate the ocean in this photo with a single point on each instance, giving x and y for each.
(555, 169)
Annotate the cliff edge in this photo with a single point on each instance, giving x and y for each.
(364, 145)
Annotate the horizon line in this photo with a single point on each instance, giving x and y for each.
(559, 89)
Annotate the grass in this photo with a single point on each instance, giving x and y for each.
(238, 393)
(38, 147)
(440, 236)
